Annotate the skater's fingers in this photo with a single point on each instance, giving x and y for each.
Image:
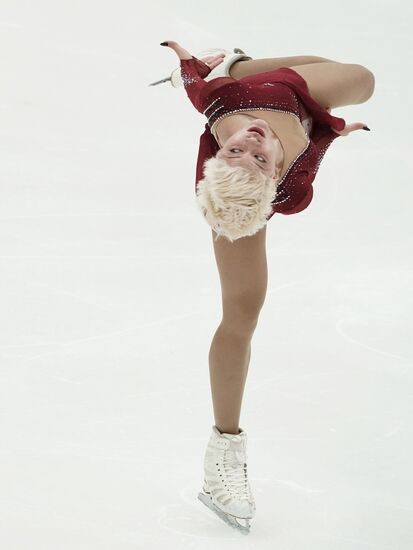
(356, 126)
(211, 58)
(220, 57)
(206, 60)
(178, 49)
(351, 128)
(215, 63)
(343, 132)
(170, 44)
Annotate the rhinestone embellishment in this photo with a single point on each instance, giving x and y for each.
(210, 105)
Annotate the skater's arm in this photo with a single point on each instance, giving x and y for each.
(184, 55)
(294, 194)
(193, 71)
(208, 148)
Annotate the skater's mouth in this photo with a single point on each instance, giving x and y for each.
(259, 131)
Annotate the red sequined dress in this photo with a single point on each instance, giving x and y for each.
(281, 90)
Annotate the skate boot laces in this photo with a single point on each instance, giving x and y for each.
(234, 462)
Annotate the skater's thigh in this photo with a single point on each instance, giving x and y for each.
(242, 267)
(242, 67)
(337, 84)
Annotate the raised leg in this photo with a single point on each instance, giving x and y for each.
(255, 66)
(331, 83)
(337, 84)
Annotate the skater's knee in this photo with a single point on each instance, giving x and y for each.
(361, 83)
(370, 83)
(241, 315)
(240, 327)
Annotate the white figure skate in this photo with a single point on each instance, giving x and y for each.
(220, 70)
(226, 487)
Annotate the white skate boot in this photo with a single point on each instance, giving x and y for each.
(226, 487)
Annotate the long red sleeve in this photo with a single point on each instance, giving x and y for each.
(322, 138)
(193, 72)
(208, 148)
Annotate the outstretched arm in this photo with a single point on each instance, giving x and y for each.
(193, 71)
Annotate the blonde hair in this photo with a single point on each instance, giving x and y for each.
(235, 202)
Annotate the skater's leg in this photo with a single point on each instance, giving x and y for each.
(242, 267)
(229, 357)
(331, 83)
(338, 84)
(249, 67)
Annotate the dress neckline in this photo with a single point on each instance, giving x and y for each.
(289, 158)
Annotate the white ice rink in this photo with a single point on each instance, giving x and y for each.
(110, 294)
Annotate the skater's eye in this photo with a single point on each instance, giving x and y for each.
(263, 159)
(256, 156)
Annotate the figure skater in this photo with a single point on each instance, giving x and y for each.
(268, 127)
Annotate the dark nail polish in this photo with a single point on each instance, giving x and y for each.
(366, 128)
(164, 43)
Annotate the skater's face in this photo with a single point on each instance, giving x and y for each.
(257, 151)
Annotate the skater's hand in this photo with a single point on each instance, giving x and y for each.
(179, 50)
(351, 127)
(211, 60)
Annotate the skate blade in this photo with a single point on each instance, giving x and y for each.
(167, 79)
(230, 520)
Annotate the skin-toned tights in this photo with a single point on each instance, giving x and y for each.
(240, 264)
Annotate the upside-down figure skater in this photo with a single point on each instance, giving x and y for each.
(268, 128)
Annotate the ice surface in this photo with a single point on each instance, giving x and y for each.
(110, 294)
